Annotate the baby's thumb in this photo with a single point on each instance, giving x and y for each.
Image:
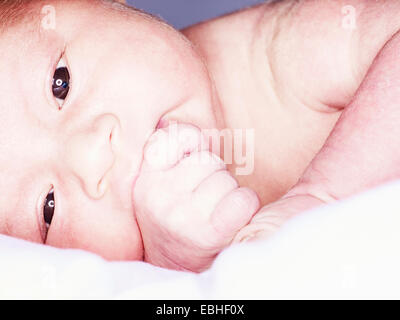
(167, 146)
(235, 211)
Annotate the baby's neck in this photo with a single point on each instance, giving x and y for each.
(234, 48)
(236, 60)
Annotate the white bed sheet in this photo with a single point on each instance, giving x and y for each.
(349, 249)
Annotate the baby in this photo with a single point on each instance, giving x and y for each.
(90, 89)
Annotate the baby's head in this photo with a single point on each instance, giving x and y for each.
(82, 86)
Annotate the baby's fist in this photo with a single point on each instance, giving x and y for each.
(187, 204)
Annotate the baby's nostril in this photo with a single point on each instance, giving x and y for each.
(101, 187)
(115, 138)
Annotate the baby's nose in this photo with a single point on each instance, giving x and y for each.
(90, 155)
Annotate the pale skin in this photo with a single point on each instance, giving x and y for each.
(252, 69)
(90, 153)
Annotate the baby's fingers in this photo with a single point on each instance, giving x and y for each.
(235, 211)
(213, 189)
(167, 146)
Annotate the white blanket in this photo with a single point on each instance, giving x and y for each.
(346, 250)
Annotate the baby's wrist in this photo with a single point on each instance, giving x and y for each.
(313, 194)
(272, 216)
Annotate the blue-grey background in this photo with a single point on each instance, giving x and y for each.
(182, 13)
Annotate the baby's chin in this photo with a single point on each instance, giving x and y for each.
(129, 249)
(197, 111)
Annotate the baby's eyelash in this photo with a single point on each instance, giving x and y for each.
(61, 82)
(48, 208)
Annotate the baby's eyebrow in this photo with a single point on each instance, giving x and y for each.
(5, 224)
(18, 12)
(18, 212)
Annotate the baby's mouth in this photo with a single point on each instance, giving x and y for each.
(163, 123)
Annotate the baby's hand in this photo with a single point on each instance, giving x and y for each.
(187, 204)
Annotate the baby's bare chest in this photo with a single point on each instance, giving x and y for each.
(314, 74)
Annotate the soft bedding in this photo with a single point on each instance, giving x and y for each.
(349, 249)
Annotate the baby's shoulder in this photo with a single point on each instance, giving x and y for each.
(321, 50)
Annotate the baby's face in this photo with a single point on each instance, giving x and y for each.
(127, 72)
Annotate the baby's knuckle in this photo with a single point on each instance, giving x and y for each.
(245, 198)
(227, 179)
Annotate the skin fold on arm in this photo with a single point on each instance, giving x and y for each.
(361, 152)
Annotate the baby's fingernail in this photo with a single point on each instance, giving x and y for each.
(156, 150)
(246, 239)
(254, 236)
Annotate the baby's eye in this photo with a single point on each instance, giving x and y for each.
(60, 85)
(48, 208)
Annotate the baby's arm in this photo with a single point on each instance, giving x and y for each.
(362, 151)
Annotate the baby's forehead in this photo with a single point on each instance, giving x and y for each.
(45, 13)
(36, 17)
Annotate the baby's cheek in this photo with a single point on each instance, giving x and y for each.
(124, 244)
(112, 234)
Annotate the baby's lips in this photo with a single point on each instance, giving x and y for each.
(168, 145)
(163, 123)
